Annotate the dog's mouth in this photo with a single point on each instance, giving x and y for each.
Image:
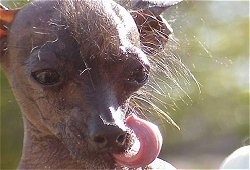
(149, 141)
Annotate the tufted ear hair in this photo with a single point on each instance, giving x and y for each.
(6, 18)
(153, 28)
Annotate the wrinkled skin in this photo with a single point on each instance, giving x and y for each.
(95, 61)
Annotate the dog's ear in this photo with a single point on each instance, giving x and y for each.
(6, 18)
(154, 29)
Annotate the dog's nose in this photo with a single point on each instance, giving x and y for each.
(109, 137)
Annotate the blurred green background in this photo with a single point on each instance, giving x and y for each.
(212, 40)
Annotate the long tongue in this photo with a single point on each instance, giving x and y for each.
(150, 140)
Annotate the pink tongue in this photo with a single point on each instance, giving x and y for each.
(150, 140)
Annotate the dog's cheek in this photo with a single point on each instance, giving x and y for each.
(49, 113)
(71, 130)
(71, 139)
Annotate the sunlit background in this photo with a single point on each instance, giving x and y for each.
(212, 40)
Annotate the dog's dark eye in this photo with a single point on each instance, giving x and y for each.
(139, 76)
(46, 76)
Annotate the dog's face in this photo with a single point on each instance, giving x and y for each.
(73, 66)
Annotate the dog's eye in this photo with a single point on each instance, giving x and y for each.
(46, 76)
(139, 76)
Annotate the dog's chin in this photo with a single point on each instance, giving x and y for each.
(86, 156)
(84, 153)
(93, 160)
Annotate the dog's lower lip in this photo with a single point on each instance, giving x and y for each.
(150, 140)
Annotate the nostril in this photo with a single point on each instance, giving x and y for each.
(120, 140)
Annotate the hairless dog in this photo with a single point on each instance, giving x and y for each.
(73, 66)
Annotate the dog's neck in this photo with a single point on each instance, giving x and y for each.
(44, 151)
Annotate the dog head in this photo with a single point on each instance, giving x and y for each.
(73, 66)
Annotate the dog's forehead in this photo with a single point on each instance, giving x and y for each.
(98, 26)
(102, 24)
